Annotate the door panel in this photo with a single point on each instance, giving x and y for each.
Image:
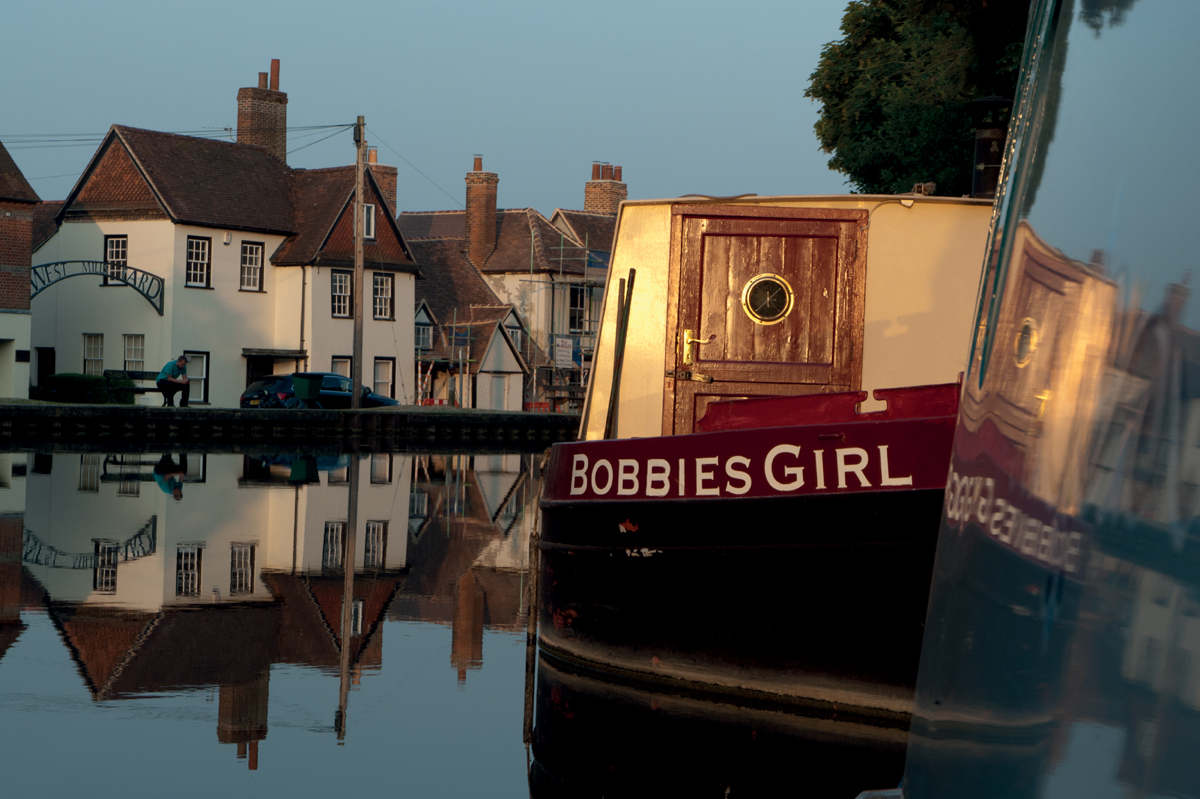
(812, 344)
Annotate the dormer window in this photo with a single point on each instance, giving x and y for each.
(514, 333)
(423, 336)
(368, 221)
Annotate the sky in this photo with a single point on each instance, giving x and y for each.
(687, 96)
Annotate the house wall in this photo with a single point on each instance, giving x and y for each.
(923, 267)
(499, 379)
(330, 336)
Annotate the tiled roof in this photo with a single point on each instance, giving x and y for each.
(13, 185)
(236, 186)
(588, 227)
(45, 221)
(525, 240)
(451, 284)
(213, 183)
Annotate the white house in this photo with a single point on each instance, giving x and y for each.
(174, 244)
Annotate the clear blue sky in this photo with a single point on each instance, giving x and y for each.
(687, 96)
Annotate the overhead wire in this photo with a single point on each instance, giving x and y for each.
(371, 133)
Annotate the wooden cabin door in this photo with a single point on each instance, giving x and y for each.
(768, 301)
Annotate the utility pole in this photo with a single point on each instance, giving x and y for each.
(357, 289)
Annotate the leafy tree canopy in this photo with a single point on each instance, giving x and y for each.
(896, 90)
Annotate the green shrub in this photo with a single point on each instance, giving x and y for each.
(92, 389)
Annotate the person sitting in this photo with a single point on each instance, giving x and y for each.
(173, 379)
(169, 475)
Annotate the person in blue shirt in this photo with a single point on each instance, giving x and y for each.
(169, 475)
(173, 379)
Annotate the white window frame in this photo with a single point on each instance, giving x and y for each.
(93, 353)
(368, 220)
(356, 617)
(514, 333)
(374, 544)
(577, 305)
(116, 255)
(341, 303)
(104, 572)
(188, 564)
(423, 336)
(198, 271)
(381, 468)
(331, 545)
(251, 271)
(241, 569)
(383, 292)
(197, 372)
(89, 472)
(384, 384)
(134, 345)
(338, 363)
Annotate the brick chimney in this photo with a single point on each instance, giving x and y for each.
(605, 191)
(481, 213)
(385, 176)
(262, 114)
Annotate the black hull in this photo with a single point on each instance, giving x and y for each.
(594, 737)
(817, 602)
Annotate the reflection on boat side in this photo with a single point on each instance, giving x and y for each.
(245, 572)
(597, 736)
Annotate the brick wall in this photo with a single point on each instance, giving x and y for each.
(262, 120)
(481, 213)
(605, 191)
(16, 247)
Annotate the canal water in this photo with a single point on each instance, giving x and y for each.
(184, 624)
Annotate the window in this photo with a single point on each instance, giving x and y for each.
(341, 364)
(423, 336)
(241, 569)
(418, 504)
(577, 309)
(339, 293)
(252, 264)
(331, 549)
(187, 570)
(356, 617)
(93, 353)
(89, 472)
(381, 467)
(376, 540)
(104, 572)
(339, 475)
(368, 221)
(130, 484)
(384, 377)
(135, 352)
(381, 295)
(116, 256)
(514, 333)
(199, 271)
(197, 372)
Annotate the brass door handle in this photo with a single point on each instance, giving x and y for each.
(689, 340)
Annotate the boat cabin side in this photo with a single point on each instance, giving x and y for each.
(780, 296)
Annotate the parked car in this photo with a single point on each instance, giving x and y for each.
(279, 391)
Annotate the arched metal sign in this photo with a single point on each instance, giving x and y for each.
(148, 284)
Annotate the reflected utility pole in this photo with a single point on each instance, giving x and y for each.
(339, 721)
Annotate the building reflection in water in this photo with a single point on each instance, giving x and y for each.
(175, 571)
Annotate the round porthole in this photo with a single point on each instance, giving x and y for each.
(1026, 342)
(767, 299)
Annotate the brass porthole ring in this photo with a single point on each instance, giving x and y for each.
(767, 298)
(1025, 343)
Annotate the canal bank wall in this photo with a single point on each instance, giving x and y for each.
(125, 428)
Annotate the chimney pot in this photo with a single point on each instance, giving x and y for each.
(595, 170)
(606, 172)
(478, 164)
(372, 155)
(616, 173)
(262, 80)
(275, 74)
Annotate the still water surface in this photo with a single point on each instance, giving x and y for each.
(200, 645)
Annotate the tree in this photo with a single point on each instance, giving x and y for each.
(898, 91)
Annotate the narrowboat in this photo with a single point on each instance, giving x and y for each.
(751, 510)
(1061, 651)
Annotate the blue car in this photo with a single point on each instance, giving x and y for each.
(279, 391)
